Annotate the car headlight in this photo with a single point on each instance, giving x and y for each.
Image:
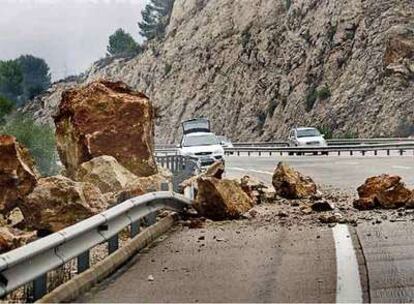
(218, 151)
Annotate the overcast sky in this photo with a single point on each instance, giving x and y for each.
(68, 34)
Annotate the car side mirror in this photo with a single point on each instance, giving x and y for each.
(178, 146)
(323, 135)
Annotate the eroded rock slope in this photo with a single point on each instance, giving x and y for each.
(258, 67)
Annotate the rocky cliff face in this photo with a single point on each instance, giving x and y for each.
(258, 67)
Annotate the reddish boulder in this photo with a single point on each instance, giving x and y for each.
(291, 184)
(385, 191)
(106, 118)
(58, 202)
(18, 175)
(221, 199)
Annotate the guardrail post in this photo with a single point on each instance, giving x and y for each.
(248, 153)
(135, 228)
(83, 262)
(39, 288)
(260, 153)
(270, 153)
(388, 152)
(351, 153)
(150, 219)
(363, 153)
(113, 244)
(401, 152)
(375, 152)
(167, 162)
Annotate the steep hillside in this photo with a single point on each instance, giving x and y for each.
(258, 67)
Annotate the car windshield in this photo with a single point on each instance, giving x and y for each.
(308, 133)
(200, 140)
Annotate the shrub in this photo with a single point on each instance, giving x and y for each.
(39, 139)
(6, 107)
(324, 93)
(311, 97)
(326, 130)
(167, 69)
(349, 134)
(288, 4)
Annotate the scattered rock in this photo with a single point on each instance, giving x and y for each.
(383, 191)
(291, 184)
(282, 214)
(106, 118)
(257, 190)
(320, 206)
(221, 199)
(18, 175)
(11, 238)
(58, 202)
(150, 278)
(216, 170)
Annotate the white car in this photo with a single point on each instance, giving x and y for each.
(201, 144)
(306, 137)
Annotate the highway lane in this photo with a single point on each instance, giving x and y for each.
(260, 261)
(345, 172)
(229, 262)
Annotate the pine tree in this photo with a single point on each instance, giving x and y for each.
(36, 75)
(155, 18)
(122, 43)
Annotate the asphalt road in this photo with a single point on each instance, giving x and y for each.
(243, 261)
(345, 172)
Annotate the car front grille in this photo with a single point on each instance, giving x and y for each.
(203, 153)
(313, 143)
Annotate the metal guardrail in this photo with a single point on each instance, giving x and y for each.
(32, 262)
(400, 147)
(182, 167)
(171, 148)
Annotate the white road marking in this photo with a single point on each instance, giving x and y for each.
(250, 170)
(348, 285)
(401, 167)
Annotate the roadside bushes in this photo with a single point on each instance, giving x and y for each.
(314, 94)
(39, 139)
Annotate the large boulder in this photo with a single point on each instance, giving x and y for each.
(221, 199)
(106, 118)
(58, 202)
(106, 173)
(11, 238)
(384, 191)
(291, 184)
(18, 175)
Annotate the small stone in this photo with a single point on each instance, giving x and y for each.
(201, 238)
(150, 278)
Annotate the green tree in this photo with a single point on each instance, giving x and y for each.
(122, 43)
(155, 18)
(36, 75)
(11, 80)
(39, 139)
(6, 107)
